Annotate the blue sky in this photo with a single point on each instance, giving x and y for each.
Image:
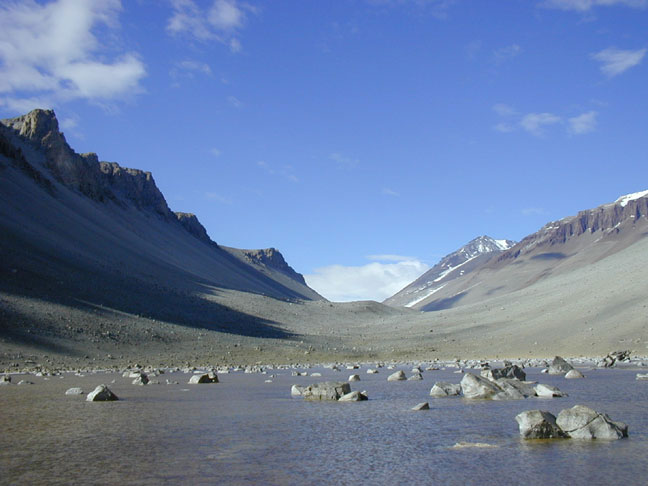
(365, 139)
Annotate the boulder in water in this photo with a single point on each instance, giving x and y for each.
(572, 374)
(74, 391)
(547, 391)
(101, 394)
(442, 389)
(581, 422)
(204, 378)
(398, 376)
(421, 406)
(559, 366)
(537, 424)
(328, 390)
(354, 396)
(476, 387)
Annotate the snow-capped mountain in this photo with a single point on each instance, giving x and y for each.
(470, 256)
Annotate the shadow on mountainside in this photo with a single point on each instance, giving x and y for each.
(107, 294)
(442, 304)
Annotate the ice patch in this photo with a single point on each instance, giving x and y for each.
(624, 200)
(414, 302)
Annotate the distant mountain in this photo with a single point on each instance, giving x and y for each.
(558, 248)
(457, 264)
(102, 230)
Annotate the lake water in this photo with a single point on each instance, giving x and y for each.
(243, 431)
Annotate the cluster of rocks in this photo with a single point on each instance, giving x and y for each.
(615, 357)
(578, 422)
(328, 390)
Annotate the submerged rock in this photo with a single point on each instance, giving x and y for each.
(513, 389)
(547, 391)
(642, 376)
(101, 394)
(442, 389)
(537, 424)
(581, 422)
(415, 377)
(74, 391)
(204, 378)
(141, 380)
(421, 406)
(354, 378)
(354, 396)
(571, 374)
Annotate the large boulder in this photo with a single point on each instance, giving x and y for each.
(328, 390)
(101, 394)
(513, 389)
(581, 422)
(398, 376)
(442, 389)
(510, 371)
(210, 377)
(537, 424)
(475, 387)
(559, 366)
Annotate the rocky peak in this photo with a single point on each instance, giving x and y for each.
(39, 126)
(271, 257)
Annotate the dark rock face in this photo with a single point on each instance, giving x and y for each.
(193, 226)
(606, 218)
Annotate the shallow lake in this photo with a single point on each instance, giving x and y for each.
(245, 431)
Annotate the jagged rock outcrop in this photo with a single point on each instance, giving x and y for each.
(193, 226)
(271, 257)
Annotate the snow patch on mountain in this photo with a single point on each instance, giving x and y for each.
(624, 200)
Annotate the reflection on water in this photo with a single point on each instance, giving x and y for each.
(245, 431)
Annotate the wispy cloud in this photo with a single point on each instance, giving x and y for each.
(374, 281)
(49, 54)
(506, 53)
(285, 171)
(390, 192)
(616, 61)
(221, 21)
(215, 152)
(503, 109)
(535, 123)
(581, 124)
(214, 196)
(343, 160)
(585, 5)
(234, 101)
(436, 8)
(534, 212)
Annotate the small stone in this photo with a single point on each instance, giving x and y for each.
(547, 391)
(415, 377)
(204, 378)
(354, 396)
(74, 391)
(354, 378)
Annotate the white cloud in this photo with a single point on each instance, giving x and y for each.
(534, 123)
(581, 124)
(585, 5)
(504, 127)
(504, 54)
(221, 22)
(616, 61)
(373, 281)
(49, 54)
